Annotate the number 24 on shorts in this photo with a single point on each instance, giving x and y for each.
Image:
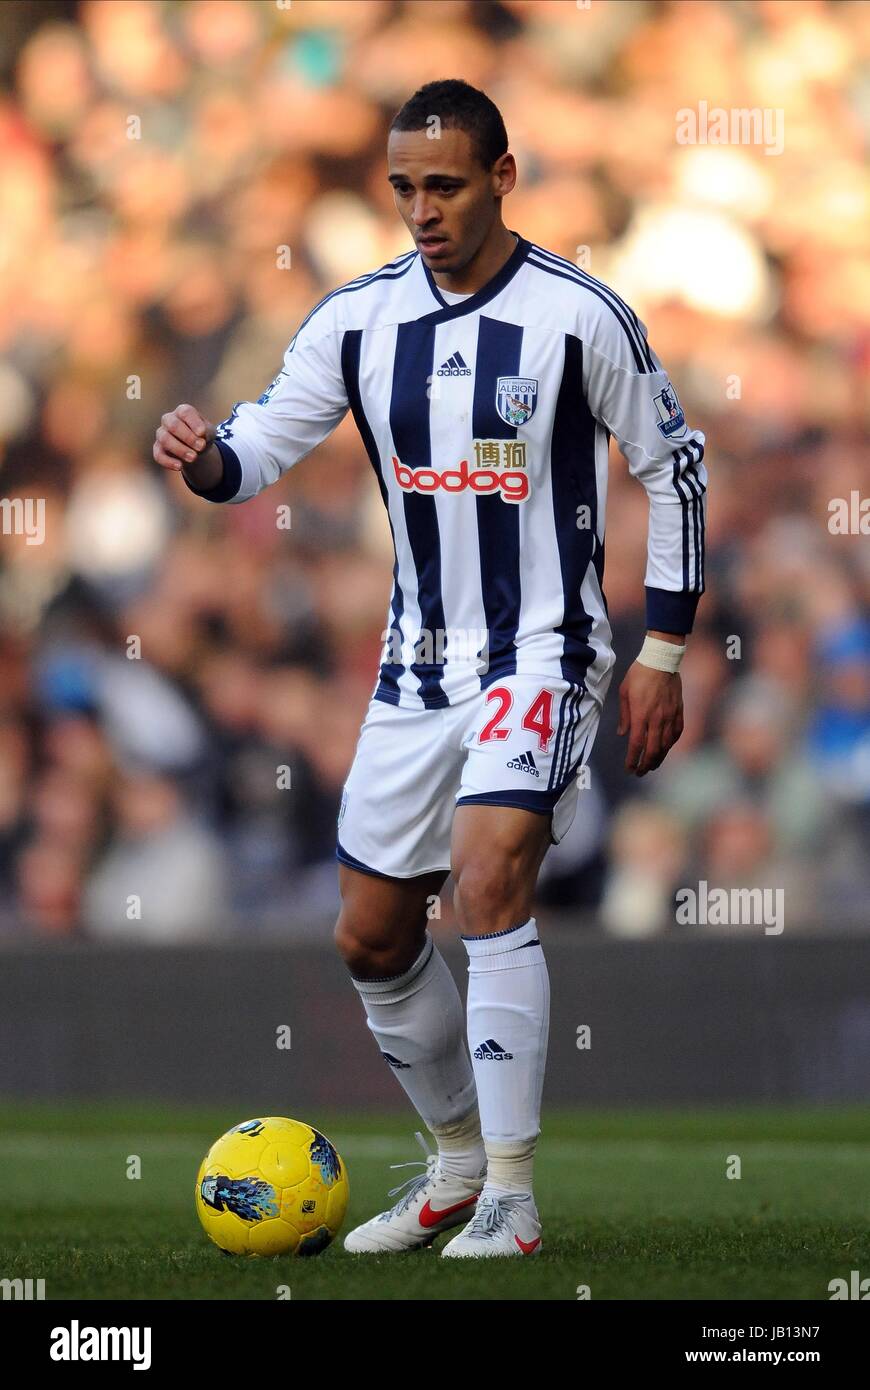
(538, 718)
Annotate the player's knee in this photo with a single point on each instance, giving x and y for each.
(354, 939)
(488, 892)
(372, 949)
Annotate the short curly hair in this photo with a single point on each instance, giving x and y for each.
(460, 106)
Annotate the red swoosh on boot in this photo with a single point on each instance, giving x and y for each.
(428, 1217)
(528, 1246)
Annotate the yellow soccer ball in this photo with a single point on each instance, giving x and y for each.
(272, 1187)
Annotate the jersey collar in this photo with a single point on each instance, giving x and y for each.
(485, 293)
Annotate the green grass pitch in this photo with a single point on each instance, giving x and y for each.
(635, 1204)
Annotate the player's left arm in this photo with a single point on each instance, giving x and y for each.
(630, 393)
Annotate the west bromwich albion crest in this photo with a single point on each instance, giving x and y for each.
(515, 398)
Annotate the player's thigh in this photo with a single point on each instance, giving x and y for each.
(381, 928)
(496, 855)
(526, 736)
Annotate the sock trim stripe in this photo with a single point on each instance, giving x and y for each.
(501, 946)
(398, 981)
(491, 935)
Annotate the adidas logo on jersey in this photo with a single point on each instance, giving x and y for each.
(525, 763)
(394, 1061)
(454, 366)
(491, 1051)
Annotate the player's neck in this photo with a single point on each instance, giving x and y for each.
(496, 250)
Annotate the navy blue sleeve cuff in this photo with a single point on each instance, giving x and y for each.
(669, 611)
(230, 482)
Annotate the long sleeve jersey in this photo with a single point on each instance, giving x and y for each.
(487, 424)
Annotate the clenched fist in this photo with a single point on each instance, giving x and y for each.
(184, 440)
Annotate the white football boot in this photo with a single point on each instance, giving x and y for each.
(433, 1203)
(506, 1225)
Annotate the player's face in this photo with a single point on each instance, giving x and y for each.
(445, 197)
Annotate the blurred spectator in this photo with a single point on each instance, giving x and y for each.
(649, 850)
(839, 735)
(757, 759)
(738, 850)
(164, 877)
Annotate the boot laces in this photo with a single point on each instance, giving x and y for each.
(492, 1213)
(414, 1183)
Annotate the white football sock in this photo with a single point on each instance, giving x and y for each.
(418, 1021)
(509, 1166)
(460, 1146)
(508, 1029)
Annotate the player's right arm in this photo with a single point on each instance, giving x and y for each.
(260, 440)
(185, 442)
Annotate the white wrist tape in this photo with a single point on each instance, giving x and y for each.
(661, 656)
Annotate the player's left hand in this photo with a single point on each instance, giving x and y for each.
(651, 713)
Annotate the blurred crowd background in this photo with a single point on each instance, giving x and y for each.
(162, 658)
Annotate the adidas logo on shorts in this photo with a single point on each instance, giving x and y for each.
(491, 1051)
(525, 763)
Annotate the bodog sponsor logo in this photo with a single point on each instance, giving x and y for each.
(513, 487)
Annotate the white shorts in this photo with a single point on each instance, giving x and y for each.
(519, 743)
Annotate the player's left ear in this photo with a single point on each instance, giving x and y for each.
(504, 174)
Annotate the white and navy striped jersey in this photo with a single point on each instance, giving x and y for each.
(487, 422)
